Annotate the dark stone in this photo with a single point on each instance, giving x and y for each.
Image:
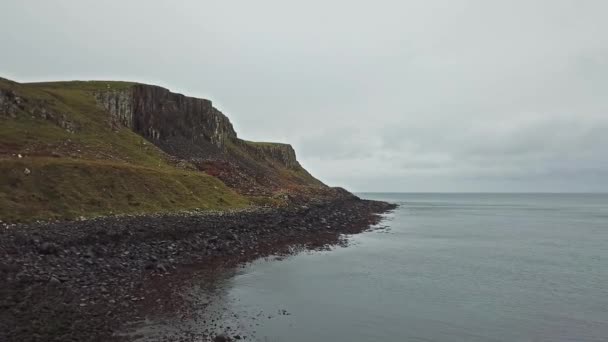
(48, 248)
(161, 268)
(221, 338)
(89, 253)
(24, 278)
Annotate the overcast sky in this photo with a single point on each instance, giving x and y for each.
(422, 95)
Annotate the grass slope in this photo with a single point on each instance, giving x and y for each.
(94, 170)
(290, 177)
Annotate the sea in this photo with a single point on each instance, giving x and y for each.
(441, 267)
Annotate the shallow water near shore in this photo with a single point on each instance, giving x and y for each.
(441, 267)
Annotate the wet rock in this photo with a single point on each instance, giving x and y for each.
(161, 268)
(8, 267)
(89, 253)
(48, 248)
(221, 338)
(24, 278)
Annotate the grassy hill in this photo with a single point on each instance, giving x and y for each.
(60, 158)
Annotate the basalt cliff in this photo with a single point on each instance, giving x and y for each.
(79, 149)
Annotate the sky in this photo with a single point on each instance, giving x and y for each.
(412, 96)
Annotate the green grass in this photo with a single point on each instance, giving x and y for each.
(83, 85)
(64, 188)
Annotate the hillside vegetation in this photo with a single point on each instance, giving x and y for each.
(94, 148)
(59, 159)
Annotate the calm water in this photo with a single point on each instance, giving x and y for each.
(447, 267)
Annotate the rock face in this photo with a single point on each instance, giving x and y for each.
(282, 153)
(119, 103)
(192, 129)
(158, 114)
(11, 105)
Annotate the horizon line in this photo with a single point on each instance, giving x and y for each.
(483, 192)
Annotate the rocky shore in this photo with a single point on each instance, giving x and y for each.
(81, 280)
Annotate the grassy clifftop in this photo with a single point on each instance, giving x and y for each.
(60, 158)
(44, 119)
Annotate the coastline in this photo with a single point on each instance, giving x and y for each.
(83, 280)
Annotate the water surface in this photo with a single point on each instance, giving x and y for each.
(447, 267)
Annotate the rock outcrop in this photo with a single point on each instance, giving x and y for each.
(158, 114)
(9, 103)
(277, 152)
(13, 105)
(119, 103)
(192, 129)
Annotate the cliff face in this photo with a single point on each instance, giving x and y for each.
(10, 103)
(192, 129)
(158, 114)
(119, 103)
(281, 153)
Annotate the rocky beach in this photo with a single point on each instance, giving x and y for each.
(82, 280)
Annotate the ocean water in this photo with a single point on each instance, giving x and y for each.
(443, 267)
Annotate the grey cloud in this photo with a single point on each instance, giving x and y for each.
(467, 95)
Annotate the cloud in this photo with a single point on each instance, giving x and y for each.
(467, 95)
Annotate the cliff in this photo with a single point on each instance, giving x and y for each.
(160, 115)
(193, 130)
(69, 149)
